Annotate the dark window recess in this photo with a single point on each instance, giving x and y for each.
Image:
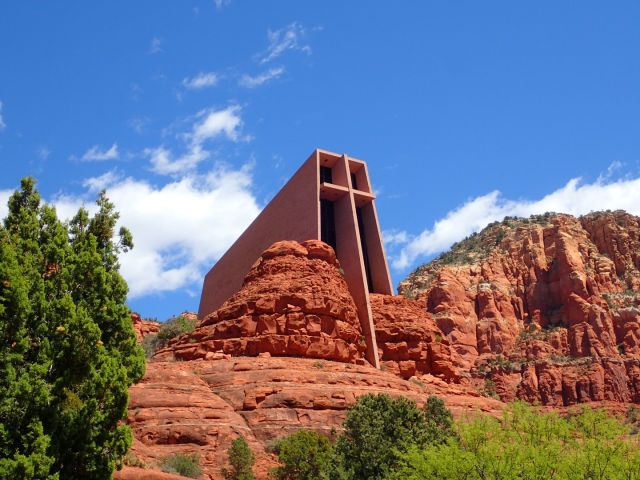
(365, 251)
(354, 182)
(326, 175)
(328, 223)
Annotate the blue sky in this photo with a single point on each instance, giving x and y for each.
(192, 114)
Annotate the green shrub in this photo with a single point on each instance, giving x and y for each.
(304, 455)
(185, 464)
(241, 460)
(376, 430)
(526, 444)
(172, 328)
(439, 421)
(132, 460)
(150, 344)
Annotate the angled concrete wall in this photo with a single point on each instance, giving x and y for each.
(291, 215)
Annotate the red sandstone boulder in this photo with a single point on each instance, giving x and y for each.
(143, 327)
(294, 302)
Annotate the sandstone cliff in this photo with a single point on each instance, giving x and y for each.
(201, 406)
(544, 309)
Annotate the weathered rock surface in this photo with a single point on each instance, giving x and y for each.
(544, 309)
(201, 406)
(143, 327)
(409, 341)
(294, 302)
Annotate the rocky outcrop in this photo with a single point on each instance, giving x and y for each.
(202, 406)
(294, 302)
(143, 327)
(409, 341)
(544, 309)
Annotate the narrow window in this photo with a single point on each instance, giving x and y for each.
(354, 182)
(326, 175)
(365, 251)
(328, 223)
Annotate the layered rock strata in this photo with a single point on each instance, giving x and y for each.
(202, 406)
(409, 341)
(294, 302)
(544, 309)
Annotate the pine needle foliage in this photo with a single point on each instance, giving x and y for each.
(68, 351)
(241, 460)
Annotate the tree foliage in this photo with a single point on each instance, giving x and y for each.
(439, 421)
(241, 460)
(525, 444)
(303, 455)
(67, 348)
(172, 328)
(185, 464)
(376, 429)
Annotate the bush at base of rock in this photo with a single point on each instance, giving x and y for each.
(241, 460)
(304, 455)
(529, 444)
(185, 464)
(376, 429)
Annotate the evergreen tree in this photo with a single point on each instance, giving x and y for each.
(241, 460)
(376, 430)
(304, 455)
(67, 348)
(439, 421)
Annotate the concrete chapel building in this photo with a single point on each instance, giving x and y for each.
(329, 198)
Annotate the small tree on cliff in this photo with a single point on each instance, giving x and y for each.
(67, 348)
(241, 460)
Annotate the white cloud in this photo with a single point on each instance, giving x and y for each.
(201, 80)
(575, 198)
(179, 229)
(95, 184)
(162, 161)
(248, 81)
(209, 125)
(2, 124)
(394, 237)
(216, 123)
(43, 152)
(288, 38)
(221, 3)
(138, 124)
(94, 154)
(156, 45)
(4, 198)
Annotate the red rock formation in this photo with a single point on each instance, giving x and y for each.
(409, 341)
(294, 302)
(202, 406)
(544, 309)
(143, 327)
